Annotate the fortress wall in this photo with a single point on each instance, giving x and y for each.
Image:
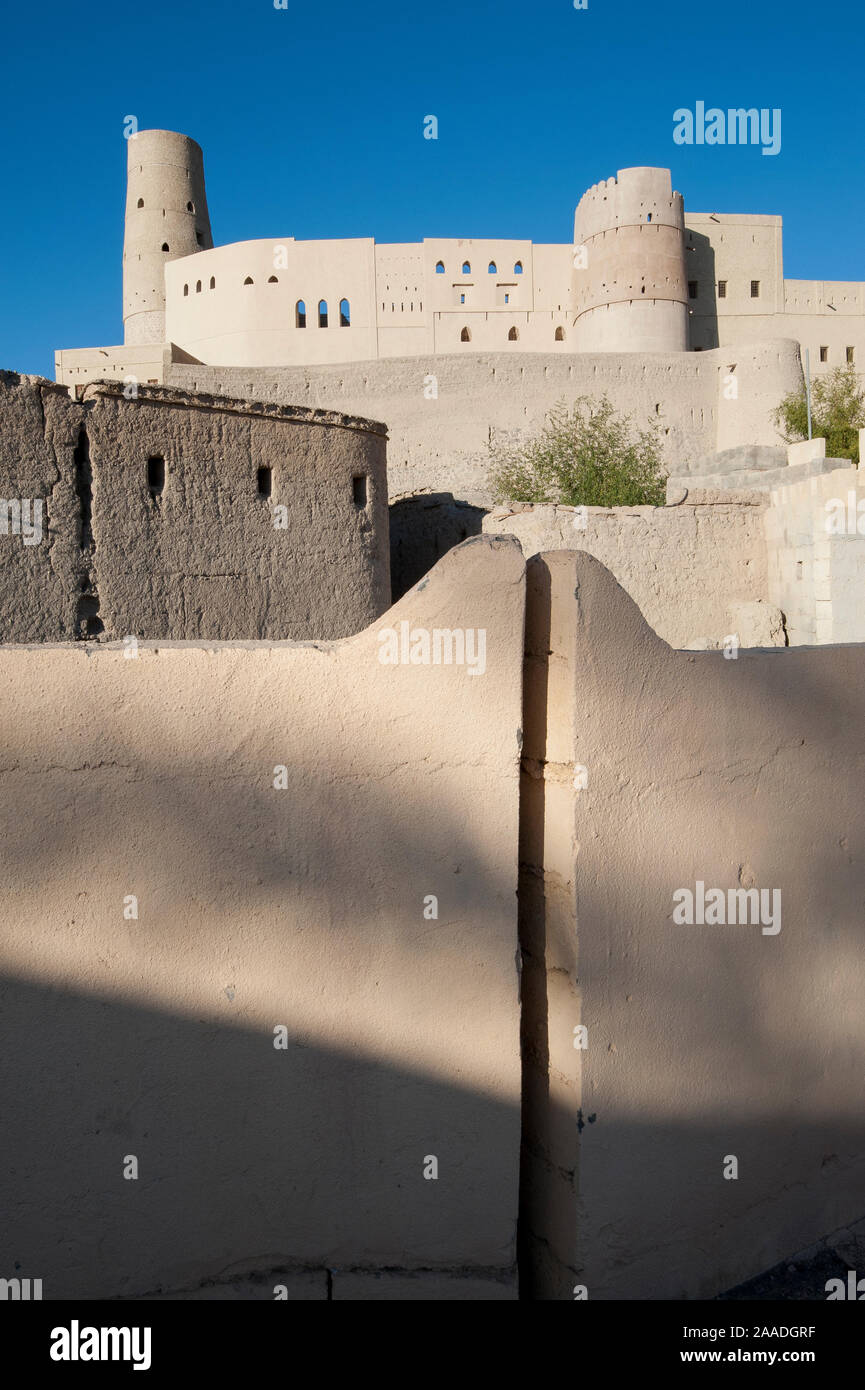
(258, 909)
(204, 554)
(704, 1042)
(687, 566)
(815, 532)
(440, 442)
(41, 562)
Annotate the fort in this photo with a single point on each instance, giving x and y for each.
(258, 496)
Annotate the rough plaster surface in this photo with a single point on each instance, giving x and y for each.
(204, 557)
(703, 1041)
(441, 442)
(683, 565)
(153, 1036)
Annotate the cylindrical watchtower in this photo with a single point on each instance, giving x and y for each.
(630, 283)
(166, 217)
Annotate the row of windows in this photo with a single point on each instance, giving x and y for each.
(299, 308)
(264, 482)
(491, 268)
(513, 335)
(190, 207)
(850, 355)
(694, 289)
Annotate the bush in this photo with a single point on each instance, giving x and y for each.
(837, 413)
(586, 456)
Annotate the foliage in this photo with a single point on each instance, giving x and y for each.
(585, 456)
(837, 413)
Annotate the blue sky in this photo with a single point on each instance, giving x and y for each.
(311, 122)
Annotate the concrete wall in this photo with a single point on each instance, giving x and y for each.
(153, 1036)
(207, 554)
(441, 411)
(703, 1042)
(689, 567)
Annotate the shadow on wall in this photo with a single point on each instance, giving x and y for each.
(304, 1162)
(700, 265)
(423, 528)
(705, 1041)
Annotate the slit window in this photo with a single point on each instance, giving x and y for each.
(358, 489)
(198, 287)
(692, 289)
(213, 282)
(186, 289)
(265, 482)
(155, 475)
(851, 355)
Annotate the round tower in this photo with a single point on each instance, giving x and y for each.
(630, 281)
(166, 217)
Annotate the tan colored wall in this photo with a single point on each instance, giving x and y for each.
(441, 441)
(816, 574)
(258, 907)
(688, 567)
(703, 1041)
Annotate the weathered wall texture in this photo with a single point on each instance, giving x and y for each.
(440, 442)
(688, 567)
(153, 1036)
(705, 1042)
(815, 532)
(40, 579)
(206, 552)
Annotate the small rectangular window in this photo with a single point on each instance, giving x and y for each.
(265, 482)
(462, 299)
(851, 355)
(824, 354)
(722, 289)
(692, 289)
(755, 289)
(156, 475)
(358, 488)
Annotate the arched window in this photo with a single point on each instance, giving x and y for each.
(518, 268)
(249, 280)
(467, 270)
(190, 207)
(213, 282)
(165, 245)
(649, 218)
(186, 289)
(198, 287)
(440, 267)
(300, 314)
(466, 335)
(272, 280)
(513, 335)
(344, 314)
(560, 335)
(322, 313)
(141, 202)
(491, 268)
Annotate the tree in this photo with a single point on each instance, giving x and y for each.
(585, 456)
(837, 413)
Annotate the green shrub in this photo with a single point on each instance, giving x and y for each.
(837, 413)
(585, 456)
